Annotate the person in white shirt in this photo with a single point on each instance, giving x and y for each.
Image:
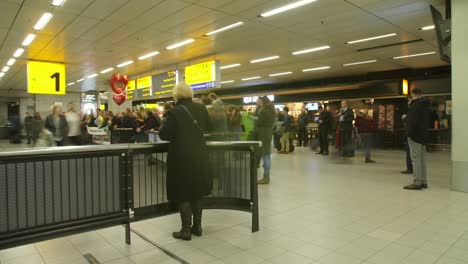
(74, 125)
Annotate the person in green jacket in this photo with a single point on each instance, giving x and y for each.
(264, 133)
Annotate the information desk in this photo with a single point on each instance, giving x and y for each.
(51, 192)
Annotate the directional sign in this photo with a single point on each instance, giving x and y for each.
(46, 77)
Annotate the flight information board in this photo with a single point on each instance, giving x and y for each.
(164, 83)
(206, 75)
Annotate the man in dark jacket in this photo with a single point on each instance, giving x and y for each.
(28, 126)
(346, 129)
(188, 175)
(365, 129)
(285, 144)
(302, 122)
(324, 121)
(417, 127)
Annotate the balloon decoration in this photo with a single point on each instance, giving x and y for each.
(119, 84)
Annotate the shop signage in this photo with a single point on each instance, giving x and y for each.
(253, 99)
(46, 77)
(164, 83)
(206, 75)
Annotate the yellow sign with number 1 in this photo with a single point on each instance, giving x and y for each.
(46, 77)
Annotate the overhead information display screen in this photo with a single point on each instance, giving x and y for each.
(164, 83)
(143, 87)
(206, 75)
(46, 77)
(131, 85)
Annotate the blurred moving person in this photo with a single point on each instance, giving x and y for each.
(218, 118)
(346, 129)
(325, 119)
(365, 129)
(417, 127)
(45, 138)
(263, 128)
(287, 123)
(28, 126)
(36, 127)
(302, 122)
(56, 123)
(188, 175)
(74, 125)
(235, 123)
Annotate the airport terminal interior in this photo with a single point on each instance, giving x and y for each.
(233, 132)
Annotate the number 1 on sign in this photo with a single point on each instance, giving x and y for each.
(57, 81)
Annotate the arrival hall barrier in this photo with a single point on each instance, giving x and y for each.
(53, 192)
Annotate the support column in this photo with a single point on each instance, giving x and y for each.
(459, 95)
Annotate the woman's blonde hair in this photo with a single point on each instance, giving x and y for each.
(182, 91)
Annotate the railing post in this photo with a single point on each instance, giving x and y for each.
(126, 170)
(254, 189)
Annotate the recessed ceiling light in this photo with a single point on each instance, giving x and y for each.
(92, 75)
(42, 22)
(414, 55)
(238, 24)
(251, 78)
(58, 2)
(28, 40)
(18, 52)
(360, 62)
(427, 27)
(180, 44)
(287, 7)
(123, 64)
(317, 69)
(80, 80)
(2, 74)
(70, 84)
(279, 74)
(230, 81)
(149, 55)
(107, 70)
(11, 62)
(230, 66)
(265, 59)
(5, 69)
(310, 50)
(372, 38)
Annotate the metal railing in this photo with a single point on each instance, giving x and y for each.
(51, 192)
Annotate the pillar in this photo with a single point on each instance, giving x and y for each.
(459, 95)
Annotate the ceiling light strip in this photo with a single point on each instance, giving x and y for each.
(123, 64)
(149, 55)
(230, 81)
(180, 44)
(265, 59)
(310, 50)
(5, 69)
(230, 66)
(287, 7)
(238, 24)
(11, 62)
(18, 52)
(280, 74)
(2, 74)
(80, 80)
(372, 38)
(414, 55)
(58, 3)
(42, 22)
(28, 40)
(427, 28)
(92, 75)
(251, 78)
(70, 84)
(360, 62)
(317, 69)
(107, 70)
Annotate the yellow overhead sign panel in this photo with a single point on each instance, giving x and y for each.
(144, 82)
(201, 73)
(46, 77)
(131, 85)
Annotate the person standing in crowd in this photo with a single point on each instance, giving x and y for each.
(73, 122)
(218, 117)
(56, 123)
(235, 123)
(28, 126)
(409, 164)
(36, 127)
(128, 121)
(287, 123)
(365, 129)
(346, 129)
(417, 127)
(302, 122)
(263, 127)
(151, 122)
(188, 175)
(325, 119)
(100, 120)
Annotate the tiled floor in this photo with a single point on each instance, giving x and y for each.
(321, 210)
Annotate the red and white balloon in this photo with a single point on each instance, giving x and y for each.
(118, 83)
